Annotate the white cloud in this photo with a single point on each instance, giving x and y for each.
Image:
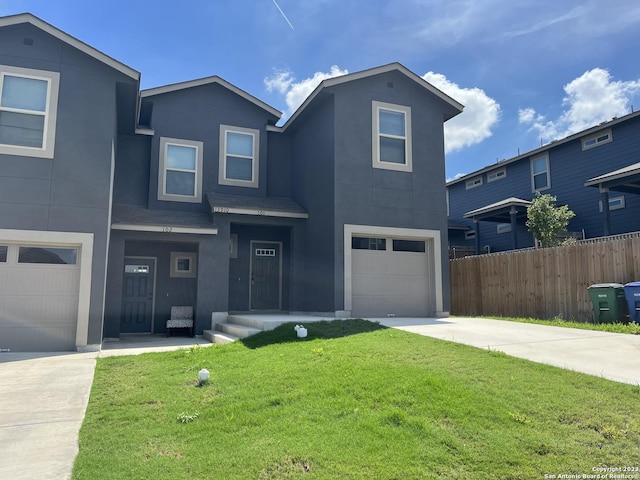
(295, 92)
(474, 124)
(590, 99)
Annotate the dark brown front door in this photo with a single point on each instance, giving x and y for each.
(137, 295)
(266, 276)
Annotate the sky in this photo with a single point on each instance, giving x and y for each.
(527, 71)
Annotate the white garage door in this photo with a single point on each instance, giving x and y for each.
(391, 277)
(38, 297)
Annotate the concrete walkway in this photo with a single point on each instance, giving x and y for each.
(614, 356)
(44, 396)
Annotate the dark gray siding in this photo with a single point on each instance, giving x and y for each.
(313, 187)
(71, 191)
(131, 180)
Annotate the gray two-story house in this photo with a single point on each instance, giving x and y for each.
(191, 195)
(595, 172)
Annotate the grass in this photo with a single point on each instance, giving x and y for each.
(628, 328)
(353, 400)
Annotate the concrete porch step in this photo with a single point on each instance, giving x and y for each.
(237, 330)
(218, 337)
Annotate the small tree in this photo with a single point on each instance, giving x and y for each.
(546, 220)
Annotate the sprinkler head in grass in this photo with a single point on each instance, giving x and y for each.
(203, 376)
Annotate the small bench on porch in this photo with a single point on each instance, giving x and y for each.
(181, 317)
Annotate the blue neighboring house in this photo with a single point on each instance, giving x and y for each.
(118, 204)
(595, 172)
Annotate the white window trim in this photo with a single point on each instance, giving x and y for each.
(162, 170)
(533, 185)
(595, 137)
(503, 228)
(496, 175)
(469, 234)
(50, 113)
(376, 162)
(473, 183)
(617, 199)
(255, 166)
(176, 257)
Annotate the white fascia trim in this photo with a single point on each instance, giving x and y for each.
(205, 81)
(163, 229)
(82, 240)
(72, 41)
(259, 212)
(409, 233)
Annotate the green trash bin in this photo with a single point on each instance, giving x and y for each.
(609, 302)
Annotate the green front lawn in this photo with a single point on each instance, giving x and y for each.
(352, 401)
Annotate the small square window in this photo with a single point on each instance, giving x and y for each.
(615, 203)
(496, 175)
(183, 264)
(503, 228)
(469, 234)
(366, 243)
(473, 183)
(596, 140)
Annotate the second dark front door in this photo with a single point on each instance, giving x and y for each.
(266, 276)
(137, 295)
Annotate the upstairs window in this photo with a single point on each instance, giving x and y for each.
(473, 183)
(180, 172)
(238, 156)
(496, 175)
(392, 137)
(28, 102)
(596, 140)
(540, 179)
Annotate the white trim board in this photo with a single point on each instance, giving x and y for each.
(163, 228)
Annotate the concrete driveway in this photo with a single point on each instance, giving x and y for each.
(43, 400)
(614, 356)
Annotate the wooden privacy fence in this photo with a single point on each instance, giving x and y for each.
(542, 283)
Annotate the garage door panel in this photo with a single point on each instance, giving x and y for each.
(387, 282)
(38, 305)
(47, 339)
(27, 280)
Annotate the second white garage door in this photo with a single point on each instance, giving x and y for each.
(38, 297)
(391, 277)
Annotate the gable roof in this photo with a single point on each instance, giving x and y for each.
(215, 79)
(69, 40)
(544, 148)
(350, 77)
